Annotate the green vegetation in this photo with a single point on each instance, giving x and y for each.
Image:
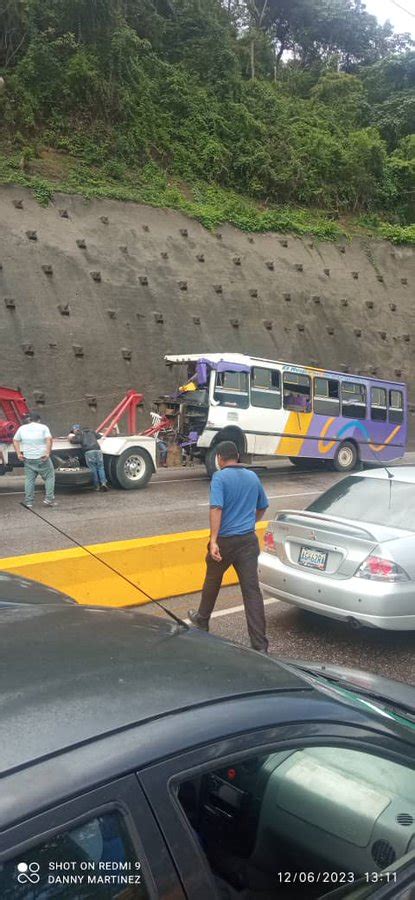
(293, 115)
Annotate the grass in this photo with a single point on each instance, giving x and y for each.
(49, 172)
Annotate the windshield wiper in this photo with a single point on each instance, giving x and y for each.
(351, 687)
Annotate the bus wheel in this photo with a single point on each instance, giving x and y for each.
(304, 462)
(301, 462)
(345, 458)
(211, 461)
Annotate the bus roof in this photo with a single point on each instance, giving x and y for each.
(242, 359)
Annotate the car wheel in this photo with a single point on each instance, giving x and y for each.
(133, 469)
(345, 458)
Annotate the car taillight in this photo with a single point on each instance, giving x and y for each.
(375, 568)
(269, 542)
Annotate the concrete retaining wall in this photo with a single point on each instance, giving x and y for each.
(94, 293)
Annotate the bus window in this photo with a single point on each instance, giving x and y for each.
(232, 389)
(326, 397)
(378, 408)
(395, 407)
(265, 388)
(353, 400)
(297, 392)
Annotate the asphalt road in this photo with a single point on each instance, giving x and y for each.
(295, 634)
(177, 500)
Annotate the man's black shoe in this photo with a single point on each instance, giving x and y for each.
(196, 620)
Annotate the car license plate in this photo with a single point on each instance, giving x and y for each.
(313, 559)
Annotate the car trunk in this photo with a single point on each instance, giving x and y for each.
(324, 545)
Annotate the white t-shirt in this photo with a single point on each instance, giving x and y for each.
(32, 439)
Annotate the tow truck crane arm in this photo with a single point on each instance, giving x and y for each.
(14, 407)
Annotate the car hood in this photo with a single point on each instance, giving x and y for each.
(392, 692)
(15, 589)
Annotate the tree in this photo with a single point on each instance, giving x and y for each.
(344, 94)
(390, 86)
(272, 98)
(13, 30)
(341, 31)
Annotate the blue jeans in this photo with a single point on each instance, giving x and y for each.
(162, 450)
(95, 462)
(44, 468)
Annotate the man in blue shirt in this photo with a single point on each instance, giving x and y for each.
(237, 502)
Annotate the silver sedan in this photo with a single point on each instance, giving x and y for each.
(351, 554)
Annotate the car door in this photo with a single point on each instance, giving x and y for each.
(104, 843)
(301, 808)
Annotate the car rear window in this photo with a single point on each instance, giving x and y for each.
(380, 501)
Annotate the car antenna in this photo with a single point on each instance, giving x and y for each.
(168, 612)
(390, 477)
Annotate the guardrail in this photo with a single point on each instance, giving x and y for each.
(166, 565)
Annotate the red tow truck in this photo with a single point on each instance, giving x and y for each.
(129, 458)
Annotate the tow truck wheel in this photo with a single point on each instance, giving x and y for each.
(110, 465)
(66, 477)
(133, 469)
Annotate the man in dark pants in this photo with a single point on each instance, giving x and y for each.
(94, 458)
(237, 502)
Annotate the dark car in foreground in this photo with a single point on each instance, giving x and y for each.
(14, 589)
(143, 759)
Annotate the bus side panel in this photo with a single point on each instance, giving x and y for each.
(378, 441)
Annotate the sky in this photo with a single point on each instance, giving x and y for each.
(385, 9)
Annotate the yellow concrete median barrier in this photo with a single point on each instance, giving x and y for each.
(163, 566)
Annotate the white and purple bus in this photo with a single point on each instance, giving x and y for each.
(272, 408)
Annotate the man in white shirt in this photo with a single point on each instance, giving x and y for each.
(33, 445)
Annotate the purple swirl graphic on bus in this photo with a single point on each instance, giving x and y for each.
(325, 446)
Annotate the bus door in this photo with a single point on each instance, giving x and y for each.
(297, 406)
(388, 421)
(267, 417)
(229, 402)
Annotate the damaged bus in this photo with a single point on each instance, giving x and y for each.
(271, 408)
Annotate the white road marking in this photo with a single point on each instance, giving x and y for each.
(10, 493)
(297, 494)
(176, 481)
(205, 503)
(235, 609)
(152, 484)
(281, 496)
